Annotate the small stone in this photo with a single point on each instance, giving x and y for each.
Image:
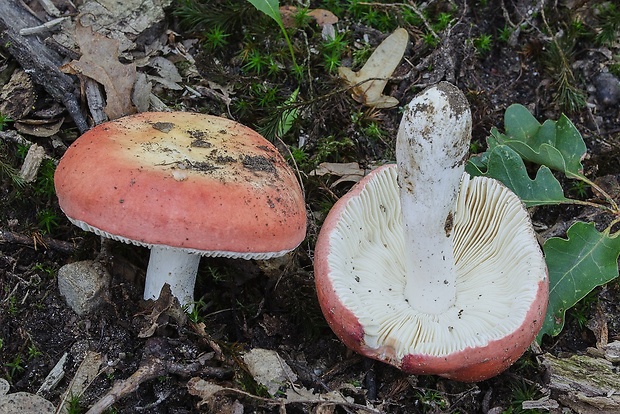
(4, 387)
(607, 89)
(84, 285)
(25, 403)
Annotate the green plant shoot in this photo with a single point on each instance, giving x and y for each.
(272, 9)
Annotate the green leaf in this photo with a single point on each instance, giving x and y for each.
(558, 145)
(270, 7)
(505, 165)
(578, 264)
(288, 116)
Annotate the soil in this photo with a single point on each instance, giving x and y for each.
(247, 305)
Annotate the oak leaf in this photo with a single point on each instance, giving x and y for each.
(99, 61)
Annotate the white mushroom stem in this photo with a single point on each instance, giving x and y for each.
(176, 267)
(431, 149)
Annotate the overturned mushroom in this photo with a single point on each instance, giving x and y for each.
(425, 268)
(184, 185)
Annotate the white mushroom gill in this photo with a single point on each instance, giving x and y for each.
(498, 267)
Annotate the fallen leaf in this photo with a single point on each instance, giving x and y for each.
(32, 162)
(165, 69)
(269, 369)
(99, 61)
(39, 127)
(141, 96)
(321, 16)
(348, 172)
(166, 304)
(303, 394)
(368, 84)
(203, 389)
(288, 15)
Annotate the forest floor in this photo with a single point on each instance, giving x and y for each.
(226, 58)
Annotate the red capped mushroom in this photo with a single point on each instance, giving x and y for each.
(184, 185)
(425, 268)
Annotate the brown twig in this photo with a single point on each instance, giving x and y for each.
(152, 368)
(35, 241)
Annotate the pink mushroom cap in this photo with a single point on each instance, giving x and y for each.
(197, 182)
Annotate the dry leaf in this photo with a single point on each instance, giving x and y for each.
(203, 389)
(269, 369)
(380, 65)
(348, 172)
(288, 16)
(100, 62)
(165, 304)
(166, 70)
(141, 96)
(32, 162)
(322, 17)
(39, 127)
(303, 394)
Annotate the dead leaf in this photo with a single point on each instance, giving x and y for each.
(165, 304)
(32, 162)
(142, 93)
(287, 13)
(348, 172)
(321, 16)
(42, 128)
(269, 369)
(303, 394)
(166, 69)
(379, 67)
(203, 389)
(99, 61)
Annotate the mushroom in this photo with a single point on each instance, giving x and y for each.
(425, 268)
(184, 185)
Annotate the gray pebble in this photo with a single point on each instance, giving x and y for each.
(607, 89)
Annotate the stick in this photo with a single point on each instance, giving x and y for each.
(40, 62)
